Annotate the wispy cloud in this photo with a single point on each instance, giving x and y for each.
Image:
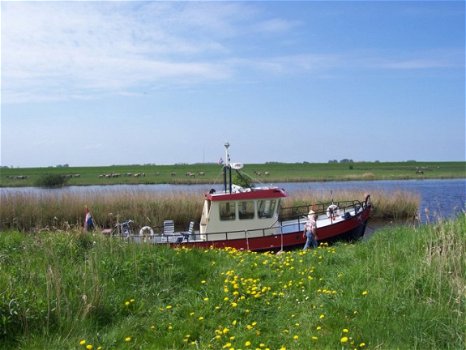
(53, 47)
(68, 50)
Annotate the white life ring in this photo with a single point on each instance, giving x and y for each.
(332, 210)
(144, 229)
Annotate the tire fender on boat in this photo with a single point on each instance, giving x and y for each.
(332, 210)
(144, 229)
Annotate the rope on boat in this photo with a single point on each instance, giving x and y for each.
(281, 238)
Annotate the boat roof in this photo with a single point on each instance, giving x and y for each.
(248, 194)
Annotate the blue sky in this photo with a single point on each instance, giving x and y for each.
(102, 83)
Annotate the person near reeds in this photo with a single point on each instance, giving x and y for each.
(88, 220)
(310, 231)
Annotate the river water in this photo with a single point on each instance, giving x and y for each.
(442, 198)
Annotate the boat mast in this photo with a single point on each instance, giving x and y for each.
(227, 170)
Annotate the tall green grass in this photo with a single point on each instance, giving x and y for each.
(29, 212)
(402, 289)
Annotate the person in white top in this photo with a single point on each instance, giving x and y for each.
(310, 229)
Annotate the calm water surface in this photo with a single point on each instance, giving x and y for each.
(443, 198)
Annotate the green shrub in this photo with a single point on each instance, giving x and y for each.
(51, 180)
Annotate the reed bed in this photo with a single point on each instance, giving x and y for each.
(397, 205)
(31, 212)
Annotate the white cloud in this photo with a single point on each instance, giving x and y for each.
(52, 47)
(69, 50)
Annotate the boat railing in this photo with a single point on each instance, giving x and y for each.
(296, 212)
(195, 236)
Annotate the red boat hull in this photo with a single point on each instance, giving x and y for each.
(352, 228)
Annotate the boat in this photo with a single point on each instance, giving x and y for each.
(252, 218)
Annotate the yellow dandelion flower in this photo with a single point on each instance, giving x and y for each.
(225, 330)
(314, 337)
(200, 318)
(168, 307)
(206, 299)
(203, 282)
(318, 328)
(132, 300)
(295, 337)
(82, 342)
(345, 330)
(283, 347)
(321, 316)
(128, 339)
(344, 340)
(247, 343)
(365, 293)
(362, 345)
(127, 303)
(234, 304)
(89, 347)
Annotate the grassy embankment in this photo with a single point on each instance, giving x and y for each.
(402, 289)
(211, 173)
(64, 211)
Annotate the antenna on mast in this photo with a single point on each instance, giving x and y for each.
(227, 169)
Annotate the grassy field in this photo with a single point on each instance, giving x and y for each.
(402, 289)
(212, 173)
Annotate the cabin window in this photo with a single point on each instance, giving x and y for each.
(246, 210)
(266, 208)
(227, 210)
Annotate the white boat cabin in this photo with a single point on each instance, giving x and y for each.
(231, 214)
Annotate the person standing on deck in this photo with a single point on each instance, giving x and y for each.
(310, 229)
